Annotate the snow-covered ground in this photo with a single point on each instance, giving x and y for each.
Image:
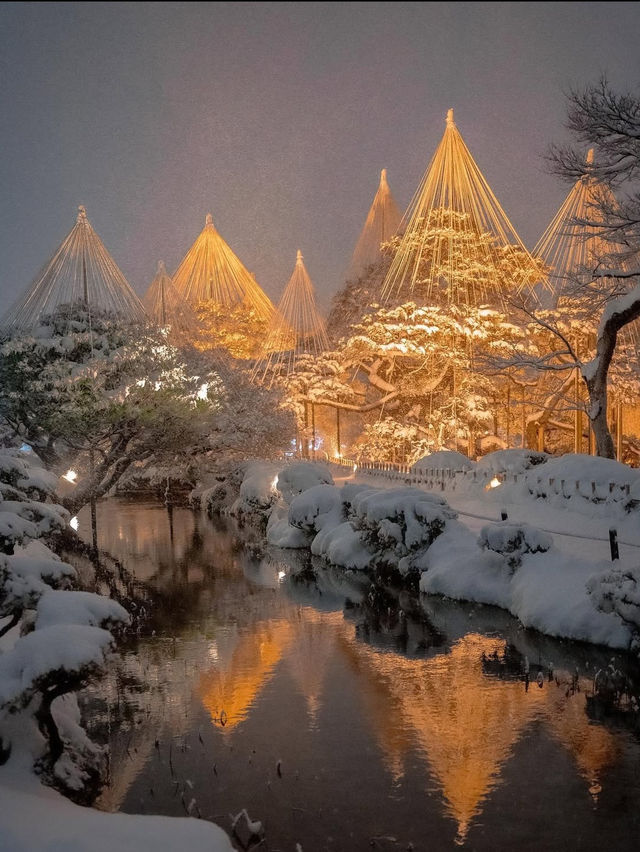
(34, 818)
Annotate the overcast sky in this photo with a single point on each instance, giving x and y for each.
(277, 118)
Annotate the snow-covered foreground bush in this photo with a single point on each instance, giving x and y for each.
(514, 540)
(53, 641)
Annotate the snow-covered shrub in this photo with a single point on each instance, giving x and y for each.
(299, 477)
(343, 546)
(514, 540)
(618, 591)
(588, 477)
(399, 521)
(219, 496)
(259, 489)
(444, 460)
(312, 510)
(63, 643)
(511, 461)
(358, 526)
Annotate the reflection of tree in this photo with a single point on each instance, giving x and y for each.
(464, 725)
(234, 638)
(228, 691)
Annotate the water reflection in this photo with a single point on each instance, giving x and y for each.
(266, 648)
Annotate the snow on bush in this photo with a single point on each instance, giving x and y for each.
(314, 509)
(511, 461)
(514, 540)
(62, 651)
(295, 525)
(300, 476)
(259, 488)
(68, 607)
(26, 474)
(618, 591)
(590, 477)
(443, 460)
(343, 546)
(281, 533)
(399, 522)
(382, 526)
(65, 643)
(289, 483)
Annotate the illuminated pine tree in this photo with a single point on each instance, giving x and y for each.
(457, 244)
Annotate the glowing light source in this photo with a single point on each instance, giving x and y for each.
(281, 575)
(355, 467)
(73, 523)
(70, 476)
(494, 483)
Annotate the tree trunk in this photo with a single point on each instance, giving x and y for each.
(598, 415)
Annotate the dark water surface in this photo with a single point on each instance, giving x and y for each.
(345, 717)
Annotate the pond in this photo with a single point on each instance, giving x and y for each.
(347, 716)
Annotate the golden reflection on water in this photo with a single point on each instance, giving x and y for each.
(461, 723)
(229, 689)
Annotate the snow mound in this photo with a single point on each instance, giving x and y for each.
(511, 461)
(35, 819)
(596, 479)
(514, 540)
(300, 476)
(443, 460)
(314, 509)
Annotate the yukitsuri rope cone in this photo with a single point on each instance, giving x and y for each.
(211, 272)
(458, 246)
(297, 328)
(573, 246)
(167, 309)
(381, 224)
(81, 271)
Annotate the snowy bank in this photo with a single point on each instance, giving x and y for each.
(35, 818)
(516, 566)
